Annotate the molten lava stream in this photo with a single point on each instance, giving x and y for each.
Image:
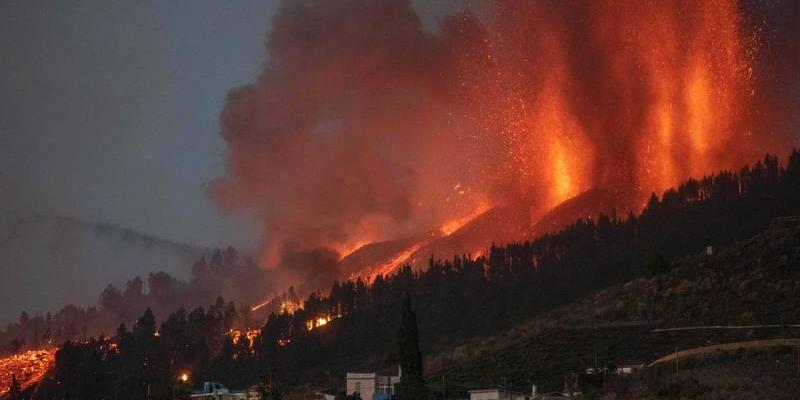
(387, 267)
(29, 367)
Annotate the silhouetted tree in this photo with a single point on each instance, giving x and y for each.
(412, 384)
(15, 391)
(655, 263)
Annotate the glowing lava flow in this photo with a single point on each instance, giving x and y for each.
(260, 305)
(250, 334)
(369, 274)
(285, 307)
(28, 367)
(320, 321)
(450, 227)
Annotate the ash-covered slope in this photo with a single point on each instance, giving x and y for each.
(747, 285)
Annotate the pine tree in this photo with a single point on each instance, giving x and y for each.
(145, 326)
(412, 384)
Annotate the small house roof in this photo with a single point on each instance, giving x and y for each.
(493, 390)
(360, 375)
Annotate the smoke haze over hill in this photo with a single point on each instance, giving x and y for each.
(48, 262)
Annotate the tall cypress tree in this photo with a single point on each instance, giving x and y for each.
(15, 392)
(412, 384)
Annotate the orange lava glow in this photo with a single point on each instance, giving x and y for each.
(449, 227)
(286, 306)
(318, 322)
(655, 97)
(258, 306)
(350, 248)
(388, 267)
(289, 307)
(28, 367)
(250, 334)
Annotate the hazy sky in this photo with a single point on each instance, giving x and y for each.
(109, 113)
(109, 109)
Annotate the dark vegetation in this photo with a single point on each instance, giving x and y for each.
(225, 273)
(409, 357)
(739, 375)
(455, 300)
(146, 358)
(751, 284)
(462, 298)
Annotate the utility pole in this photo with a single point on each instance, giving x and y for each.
(505, 387)
(442, 386)
(605, 369)
(677, 369)
(270, 383)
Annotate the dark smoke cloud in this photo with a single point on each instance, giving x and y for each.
(307, 269)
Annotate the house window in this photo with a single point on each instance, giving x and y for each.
(358, 387)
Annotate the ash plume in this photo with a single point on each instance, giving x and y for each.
(363, 126)
(345, 135)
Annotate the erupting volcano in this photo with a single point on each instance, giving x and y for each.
(387, 142)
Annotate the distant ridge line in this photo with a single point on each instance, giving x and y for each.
(727, 347)
(706, 327)
(121, 231)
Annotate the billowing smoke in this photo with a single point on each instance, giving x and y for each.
(350, 133)
(363, 126)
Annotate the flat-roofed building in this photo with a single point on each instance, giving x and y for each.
(495, 394)
(372, 386)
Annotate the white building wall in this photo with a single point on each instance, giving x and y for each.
(363, 384)
(484, 395)
(494, 394)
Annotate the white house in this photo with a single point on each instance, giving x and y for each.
(372, 386)
(494, 394)
(217, 391)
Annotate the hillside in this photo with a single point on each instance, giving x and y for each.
(512, 222)
(579, 289)
(748, 283)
